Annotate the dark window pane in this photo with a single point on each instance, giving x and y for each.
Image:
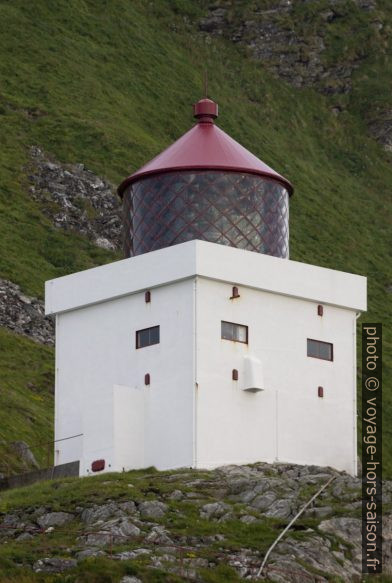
(319, 349)
(147, 337)
(240, 333)
(312, 348)
(325, 351)
(227, 331)
(144, 338)
(154, 335)
(235, 332)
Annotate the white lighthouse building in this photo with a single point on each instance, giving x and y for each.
(206, 345)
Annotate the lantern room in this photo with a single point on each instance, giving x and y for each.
(206, 186)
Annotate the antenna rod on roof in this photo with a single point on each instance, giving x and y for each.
(205, 83)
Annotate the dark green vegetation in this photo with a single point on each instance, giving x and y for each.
(26, 397)
(110, 84)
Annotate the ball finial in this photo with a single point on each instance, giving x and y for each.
(205, 110)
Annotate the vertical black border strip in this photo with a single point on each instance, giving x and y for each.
(371, 437)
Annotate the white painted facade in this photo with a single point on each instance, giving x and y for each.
(192, 413)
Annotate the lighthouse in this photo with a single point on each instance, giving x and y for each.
(206, 345)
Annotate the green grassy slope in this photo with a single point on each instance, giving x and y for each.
(110, 84)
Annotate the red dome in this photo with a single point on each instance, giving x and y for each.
(205, 146)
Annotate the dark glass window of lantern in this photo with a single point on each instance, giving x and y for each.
(147, 337)
(229, 208)
(234, 332)
(318, 349)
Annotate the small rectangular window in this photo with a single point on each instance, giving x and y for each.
(318, 349)
(235, 332)
(147, 337)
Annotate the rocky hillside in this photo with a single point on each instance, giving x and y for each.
(325, 45)
(185, 525)
(299, 42)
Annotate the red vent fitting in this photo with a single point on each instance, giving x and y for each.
(147, 297)
(98, 466)
(320, 310)
(235, 374)
(147, 379)
(235, 293)
(320, 392)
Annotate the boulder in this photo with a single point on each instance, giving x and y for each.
(54, 565)
(91, 552)
(116, 530)
(103, 512)
(264, 501)
(152, 509)
(280, 509)
(176, 495)
(159, 535)
(54, 519)
(248, 519)
(344, 527)
(215, 510)
(24, 452)
(24, 536)
(129, 555)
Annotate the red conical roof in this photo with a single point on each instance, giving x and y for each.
(205, 147)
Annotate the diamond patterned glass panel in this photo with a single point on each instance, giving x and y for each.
(231, 208)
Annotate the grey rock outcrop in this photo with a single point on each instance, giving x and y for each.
(381, 129)
(101, 513)
(152, 509)
(115, 530)
(76, 199)
(306, 47)
(90, 552)
(176, 495)
(54, 519)
(24, 453)
(54, 565)
(295, 53)
(316, 552)
(214, 510)
(126, 555)
(264, 501)
(24, 314)
(159, 536)
(281, 509)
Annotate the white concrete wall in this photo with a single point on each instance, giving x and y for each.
(209, 260)
(100, 388)
(129, 427)
(287, 421)
(96, 350)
